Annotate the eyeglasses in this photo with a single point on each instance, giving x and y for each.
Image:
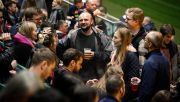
(146, 40)
(38, 19)
(128, 18)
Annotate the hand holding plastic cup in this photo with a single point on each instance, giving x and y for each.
(88, 54)
(87, 50)
(135, 81)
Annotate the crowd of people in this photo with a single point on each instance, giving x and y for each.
(49, 53)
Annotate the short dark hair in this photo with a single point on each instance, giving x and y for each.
(43, 54)
(60, 23)
(83, 93)
(49, 40)
(71, 54)
(47, 95)
(31, 11)
(66, 83)
(47, 24)
(162, 96)
(9, 3)
(167, 29)
(113, 84)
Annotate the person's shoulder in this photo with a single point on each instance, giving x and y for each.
(102, 35)
(108, 99)
(173, 44)
(72, 33)
(72, 7)
(131, 54)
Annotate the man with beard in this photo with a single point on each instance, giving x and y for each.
(72, 60)
(99, 46)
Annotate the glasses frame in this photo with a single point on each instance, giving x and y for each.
(128, 18)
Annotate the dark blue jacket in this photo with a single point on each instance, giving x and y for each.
(109, 98)
(155, 76)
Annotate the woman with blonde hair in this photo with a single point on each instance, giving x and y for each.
(24, 42)
(125, 59)
(1, 4)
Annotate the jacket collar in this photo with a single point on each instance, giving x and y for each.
(153, 52)
(22, 39)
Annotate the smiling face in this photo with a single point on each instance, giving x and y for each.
(37, 19)
(34, 33)
(85, 21)
(167, 38)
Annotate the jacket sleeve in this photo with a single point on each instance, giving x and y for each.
(133, 64)
(105, 49)
(148, 82)
(6, 57)
(131, 68)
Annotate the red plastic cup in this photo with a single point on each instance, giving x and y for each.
(135, 83)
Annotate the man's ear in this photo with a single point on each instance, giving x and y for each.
(92, 22)
(44, 65)
(72, 63)
(150, 44)
(122, 91)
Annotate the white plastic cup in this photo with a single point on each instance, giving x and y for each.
(87, 50)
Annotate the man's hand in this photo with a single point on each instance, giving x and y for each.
(89, 55)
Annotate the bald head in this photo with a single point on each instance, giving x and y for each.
(146, 20)
(85, 15)
(91, 5)
(155, 38)
(85, 21)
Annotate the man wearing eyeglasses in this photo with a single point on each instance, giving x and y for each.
(34, 15)
(134, 18)
(30, 14)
